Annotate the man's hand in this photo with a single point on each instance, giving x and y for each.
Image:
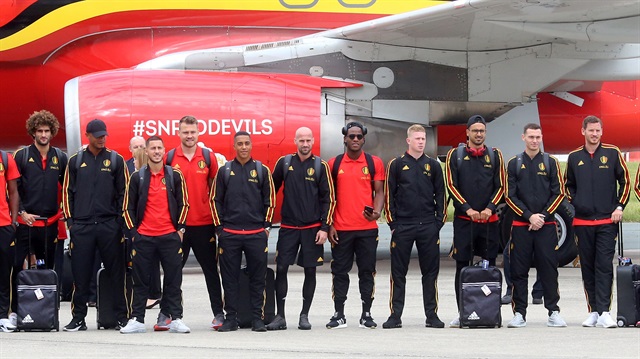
(485, 214)
(473, 214)
(321, 237)
(28, 218)
(333, 235)
(616, 216)
(373, 216)
(180, 234)
(537, 221)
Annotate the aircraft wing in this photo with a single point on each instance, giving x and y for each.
(480, 56)
(490, 25)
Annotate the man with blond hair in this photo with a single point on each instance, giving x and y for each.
(415, 211)
(199, 167)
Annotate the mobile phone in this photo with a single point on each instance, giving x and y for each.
(368, 209)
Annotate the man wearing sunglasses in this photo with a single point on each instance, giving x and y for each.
(359, 181)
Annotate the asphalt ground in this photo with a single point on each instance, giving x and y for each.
(413, 340)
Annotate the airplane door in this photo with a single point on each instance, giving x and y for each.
(332, 106)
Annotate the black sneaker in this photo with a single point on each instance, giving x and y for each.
(506, 299)
(121, 324)
(229, 325)
(392, 323)
(258, 326)
(303, 323)
(338, 321)
(367, 322)
(75, 325)
(434, 322)
(278, 323)
(537, 301)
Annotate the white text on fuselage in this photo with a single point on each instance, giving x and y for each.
(226, 126)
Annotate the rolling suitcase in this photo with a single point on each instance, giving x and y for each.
(245, 316)
(105, 313)
(628, 288)
(480, 291)
(66, 283)
(38, 298)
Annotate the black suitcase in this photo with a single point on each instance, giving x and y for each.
(628, 288)
(480, 291)
(66, 283)
(245, 316)
(38, 298)
(105, 313)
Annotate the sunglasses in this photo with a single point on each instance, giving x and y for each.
(353, 136)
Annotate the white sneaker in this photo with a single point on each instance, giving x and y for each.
(133, 326)
(555, 320)
(517, 321)
(178, 326)
(6, 326)
(591, 320)
(605, 321)
(455, 323)
(13, 318)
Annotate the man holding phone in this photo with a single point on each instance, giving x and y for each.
(359, 181)
(415, 212)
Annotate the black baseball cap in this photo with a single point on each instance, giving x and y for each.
(476, 119)
(97, 128)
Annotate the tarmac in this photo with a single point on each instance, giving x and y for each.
(412, 340)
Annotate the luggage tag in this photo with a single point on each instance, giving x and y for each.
(38, 294)
(486, 290)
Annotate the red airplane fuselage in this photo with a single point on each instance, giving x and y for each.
(54, 46)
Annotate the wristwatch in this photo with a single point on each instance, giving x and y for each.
(20, 212)
(619, 208)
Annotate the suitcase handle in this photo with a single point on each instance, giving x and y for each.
(622, 261)
(620, 244)
(46, 240)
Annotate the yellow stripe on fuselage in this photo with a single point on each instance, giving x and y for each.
(84, 10)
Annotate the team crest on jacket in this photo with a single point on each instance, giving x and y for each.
(106, 163)
(604, 159)
(487, 159)
(201, 164)
(253, 173)
(54, 160)
(365, 170)
(310, 172)
(163, 180)
(541, 166)
(1, 167)
(427, 167)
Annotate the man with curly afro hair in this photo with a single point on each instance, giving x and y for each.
(42, 169)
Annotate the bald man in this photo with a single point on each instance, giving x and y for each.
(306, 216)
(135, 143)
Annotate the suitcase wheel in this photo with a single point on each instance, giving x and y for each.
(622, 322)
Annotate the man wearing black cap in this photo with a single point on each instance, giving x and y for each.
(475, 180)
(92, 197)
